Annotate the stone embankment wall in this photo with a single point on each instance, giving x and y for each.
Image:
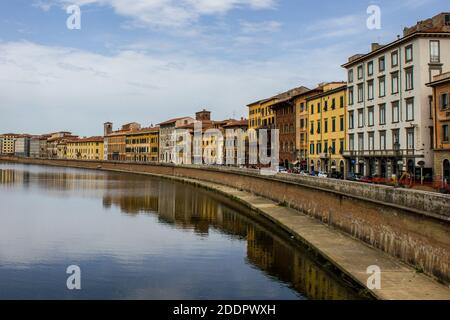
(410, 225)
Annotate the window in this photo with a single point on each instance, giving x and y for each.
(333, 104)
(350, 95)
(410, 109)
(395, 112)
(341, 123)
(370, 68)
(381, 64)
(360, 118)
(382, 86)
(382, 113)
(394, 82)
(319, 147)
(371, 141)
(333, 125)
(312, 128)
(350, 76)
(341, 146)
(341, 101)
(325, 146)
(443, 101)
(302, 123)
(325, 106)
(370, 90)
(360, 141)
(311, 148)
(312, 109)
(445, 133)
(318, 126)
(394, 59)
(396, 138)
(370, 113)
(409, 53)
(360, 72)
(409, 79)
(325, 126)
(410, 138)
(382, 140)
(360, 92)
(435, 51)
(351, 120)
(351, 142)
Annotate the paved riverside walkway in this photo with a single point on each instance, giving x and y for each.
(398, 280)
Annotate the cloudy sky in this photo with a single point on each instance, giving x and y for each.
(150, 60)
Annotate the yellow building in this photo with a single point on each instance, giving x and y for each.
(261, 114)
(7, 143)
(327, 129)
(85, 149)
(142, 145)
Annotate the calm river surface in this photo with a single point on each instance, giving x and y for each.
(137, 237)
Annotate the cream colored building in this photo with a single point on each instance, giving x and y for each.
(390, 126)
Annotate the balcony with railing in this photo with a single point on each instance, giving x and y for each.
(392, 153)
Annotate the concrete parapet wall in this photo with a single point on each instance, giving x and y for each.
(410, 225)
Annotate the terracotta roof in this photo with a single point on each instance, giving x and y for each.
(89, 139)
(142, 130)
(284, 95)
(174, 120)
(236, 123)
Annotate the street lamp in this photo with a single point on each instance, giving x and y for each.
(397, 161)
(330, 150)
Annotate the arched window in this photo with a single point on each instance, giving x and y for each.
(446, 170)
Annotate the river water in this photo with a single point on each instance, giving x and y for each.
(139, 237)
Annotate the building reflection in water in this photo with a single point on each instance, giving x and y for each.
(190, 208)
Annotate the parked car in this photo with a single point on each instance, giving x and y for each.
(282, 169)
(366, 179)
(353, 176)
(336, 175)
(303, 173)
(322, 175)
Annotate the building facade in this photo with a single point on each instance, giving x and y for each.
(167, 143)
(35, 146)
(302, 125)
(142, 145)
(390, 127)
(85, 149)
(8, 141)
(56, 144)
(22, 146)
(285, 118)
(327, 129)
(441, 124)
(115, 141)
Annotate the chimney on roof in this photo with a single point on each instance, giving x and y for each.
(375, 46)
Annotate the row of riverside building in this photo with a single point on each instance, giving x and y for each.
(391, 116)
(129, 143)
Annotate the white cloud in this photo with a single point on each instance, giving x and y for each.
(257, 27)
(165, 13)
(46, 88)
(339, 26)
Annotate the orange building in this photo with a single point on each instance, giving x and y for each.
(441, 119)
